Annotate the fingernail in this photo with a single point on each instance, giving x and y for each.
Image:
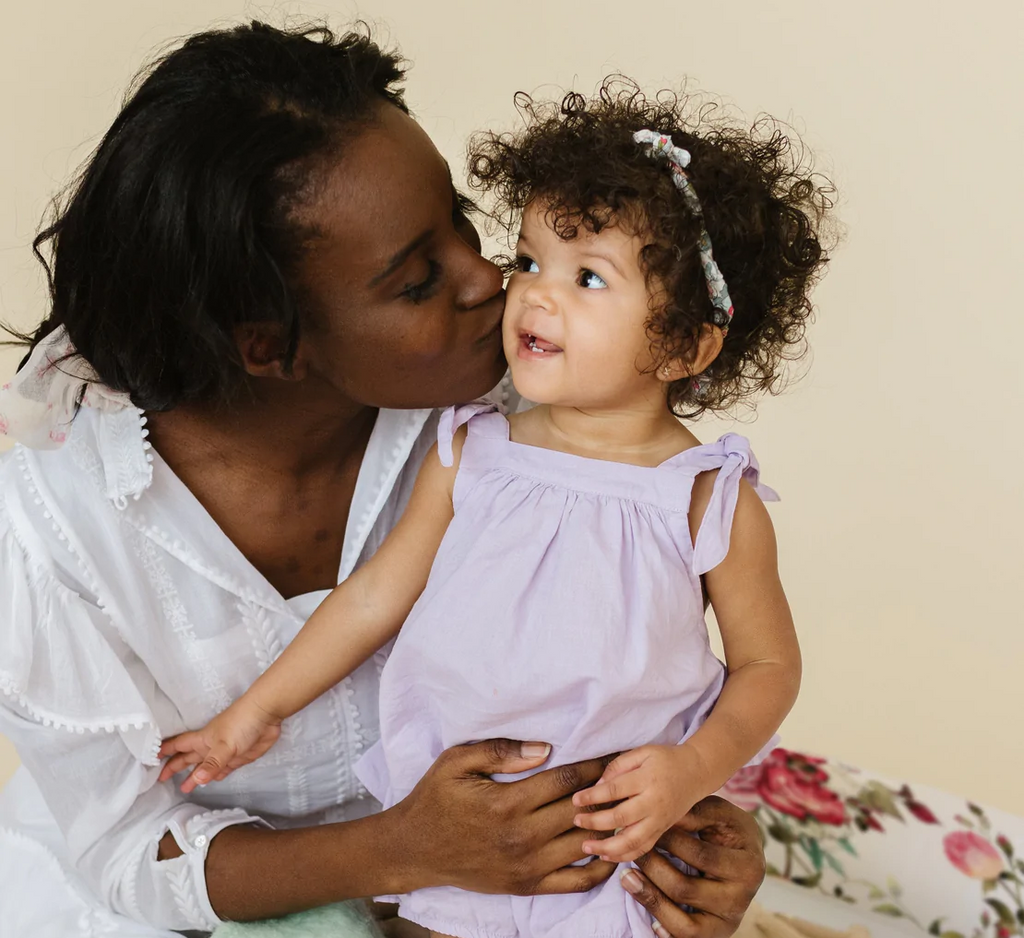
(576, 800)
(660, 930)
(631, 882)
(201, 778)
(587, 848)
(534, 750)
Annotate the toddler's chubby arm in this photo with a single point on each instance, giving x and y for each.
(356, 619)
(657, 785)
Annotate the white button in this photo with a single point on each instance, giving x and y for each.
(200, 841)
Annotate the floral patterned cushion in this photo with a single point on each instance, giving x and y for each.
(942, 865)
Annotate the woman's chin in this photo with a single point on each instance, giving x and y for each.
(479, 384)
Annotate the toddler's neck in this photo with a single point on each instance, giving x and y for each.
(640, 437)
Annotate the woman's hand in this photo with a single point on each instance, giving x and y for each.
(727, 849)
(236, 737)
(460, 828)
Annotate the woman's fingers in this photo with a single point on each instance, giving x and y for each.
(670, 921)
(720, 840)
(493, 837)
(695, 891)
(562, 850)
(727, 851)
(575, 878)
(718, 907)
(719, 820)
(559, 783)
(549, 823)
(495, 756)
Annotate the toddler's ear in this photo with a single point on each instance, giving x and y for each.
(704, 350)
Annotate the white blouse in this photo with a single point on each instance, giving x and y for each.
(126, 616)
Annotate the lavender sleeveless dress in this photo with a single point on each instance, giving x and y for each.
(564, 605)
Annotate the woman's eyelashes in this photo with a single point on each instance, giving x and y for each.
(426, 288)
(462, 207)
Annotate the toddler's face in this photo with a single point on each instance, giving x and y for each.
(575, 317)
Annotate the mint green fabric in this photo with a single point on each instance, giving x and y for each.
(345, 920)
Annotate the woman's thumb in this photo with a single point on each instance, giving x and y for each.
(506, 756)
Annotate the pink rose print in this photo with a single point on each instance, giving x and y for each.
(792, 791)
(973, 855)
(791, 783)
(742, 788)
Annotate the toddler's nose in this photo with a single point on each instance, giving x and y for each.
(538, 295)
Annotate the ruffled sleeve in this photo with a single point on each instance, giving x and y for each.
(73, 701)
(455, 417)
(732, 457)
(61, 665)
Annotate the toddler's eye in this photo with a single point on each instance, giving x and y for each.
(526, 265)
(590, 280)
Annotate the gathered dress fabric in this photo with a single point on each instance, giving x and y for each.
(564, 605)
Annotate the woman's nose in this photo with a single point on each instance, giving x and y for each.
(480, 280)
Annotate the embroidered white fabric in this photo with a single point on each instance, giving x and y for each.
(129, 616)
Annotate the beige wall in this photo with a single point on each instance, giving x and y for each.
(900, 455)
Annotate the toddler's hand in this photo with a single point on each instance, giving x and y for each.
(655, 785)
(236, 737)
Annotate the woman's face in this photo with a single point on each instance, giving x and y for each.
(406, 313)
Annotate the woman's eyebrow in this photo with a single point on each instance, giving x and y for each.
(400, 257)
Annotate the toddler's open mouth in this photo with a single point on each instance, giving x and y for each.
(534, 343)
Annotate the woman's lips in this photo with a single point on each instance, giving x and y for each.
(496, 328)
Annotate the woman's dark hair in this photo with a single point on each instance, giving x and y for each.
(184, 224)
(763, 209)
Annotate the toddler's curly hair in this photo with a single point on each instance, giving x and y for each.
(764, 210)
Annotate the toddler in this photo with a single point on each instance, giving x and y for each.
(550, 573)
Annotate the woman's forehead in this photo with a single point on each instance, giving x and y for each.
(390, 187)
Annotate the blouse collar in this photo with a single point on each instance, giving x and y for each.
(38, 408)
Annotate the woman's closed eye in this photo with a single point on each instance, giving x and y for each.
(426, 288)
(526, 265)
(591, 281)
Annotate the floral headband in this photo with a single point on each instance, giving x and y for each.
(661, 145)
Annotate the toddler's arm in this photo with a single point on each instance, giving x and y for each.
(357, 618)
(661, 783)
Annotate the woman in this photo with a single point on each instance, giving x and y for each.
(266, 269)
